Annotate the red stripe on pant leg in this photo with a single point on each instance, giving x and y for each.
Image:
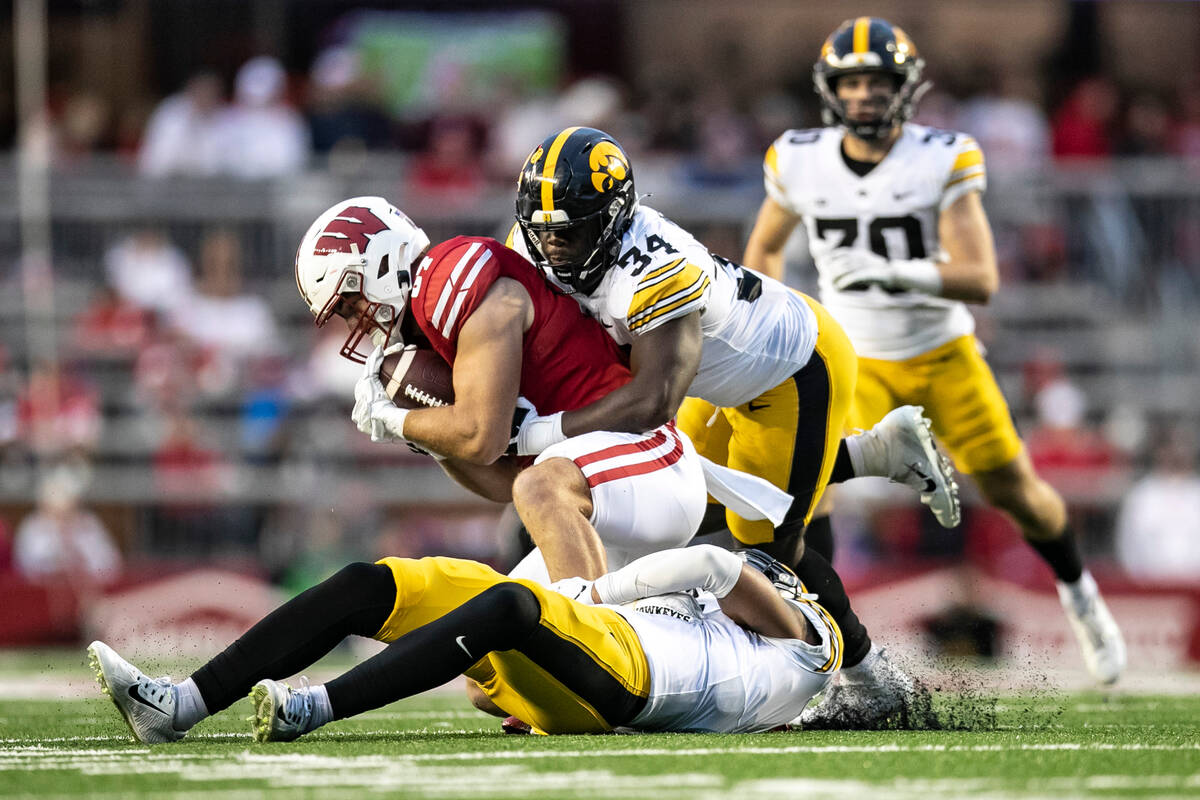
(641, 468)
(657, 440)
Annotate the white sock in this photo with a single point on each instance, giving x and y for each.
(1082, 590)
(322, 711)
(189, 705)
(861, 447)
(862, 671)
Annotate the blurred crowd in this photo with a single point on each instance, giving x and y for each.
(213, 385)
(267, 122)
(710, 131)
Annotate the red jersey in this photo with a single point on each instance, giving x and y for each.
(567, 360)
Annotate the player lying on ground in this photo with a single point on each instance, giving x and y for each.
(898, 232)
(745, 653)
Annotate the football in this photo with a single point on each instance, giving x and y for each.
(417, 378)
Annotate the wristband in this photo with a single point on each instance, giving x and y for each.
(920, 274)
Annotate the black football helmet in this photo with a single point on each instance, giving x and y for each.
(869, 44)
(578, 180)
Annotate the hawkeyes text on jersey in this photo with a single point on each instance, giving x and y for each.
(893, 211)
(756, 331)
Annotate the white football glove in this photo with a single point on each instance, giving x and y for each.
(374, 412)
(858, 269)
(577, 589)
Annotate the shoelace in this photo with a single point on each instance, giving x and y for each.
(157, 689)
(298, 708)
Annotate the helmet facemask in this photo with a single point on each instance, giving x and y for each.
(598, 245)
(376, 321)
(895, 57)
(779, 574)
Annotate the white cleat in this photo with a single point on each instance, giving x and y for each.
(1095, 629)
(900, 446)
(874, 695)
(148, 705)
(281, 713)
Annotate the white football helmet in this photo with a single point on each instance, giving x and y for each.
(366, 246)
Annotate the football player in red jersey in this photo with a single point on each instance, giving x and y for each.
(506, 333)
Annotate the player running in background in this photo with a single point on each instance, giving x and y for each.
(505, 332)
(897, 230)
(722, 646)
(770, 373)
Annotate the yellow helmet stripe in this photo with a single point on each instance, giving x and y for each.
(771, 160)
(967, 158)
(548, 169)
(862, 34)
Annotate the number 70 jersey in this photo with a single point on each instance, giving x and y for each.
(892, 211)
(757, 332)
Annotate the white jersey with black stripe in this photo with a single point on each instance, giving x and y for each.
(893, 211)
(709, 674)
(757, 332)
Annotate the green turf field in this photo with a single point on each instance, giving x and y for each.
(1051, 745)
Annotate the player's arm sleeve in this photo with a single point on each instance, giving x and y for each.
(773, 174)
(704, 567)
(967, 173)
(667, 292)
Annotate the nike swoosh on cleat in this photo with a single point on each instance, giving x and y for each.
(752, 407)
(459, 641)
(929, 484)
(136, 695)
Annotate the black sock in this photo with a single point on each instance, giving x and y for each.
(819, 536)
(843, 470)
(1062, 554)
(819, 578)
(500, 618)
(357, 600)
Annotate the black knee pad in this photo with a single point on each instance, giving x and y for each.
(362, 582)
(512, 610)
(361, 594)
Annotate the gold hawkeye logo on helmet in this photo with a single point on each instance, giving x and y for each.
(608, 166)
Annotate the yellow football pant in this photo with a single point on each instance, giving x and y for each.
(959, 392)
(581, 672)
(789, 435)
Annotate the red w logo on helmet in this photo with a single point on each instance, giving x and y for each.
(351, 226)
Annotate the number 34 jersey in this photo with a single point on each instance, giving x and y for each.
(892, 211)
(757, 332)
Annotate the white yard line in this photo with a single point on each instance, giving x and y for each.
(38, 747)
(317, 775)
